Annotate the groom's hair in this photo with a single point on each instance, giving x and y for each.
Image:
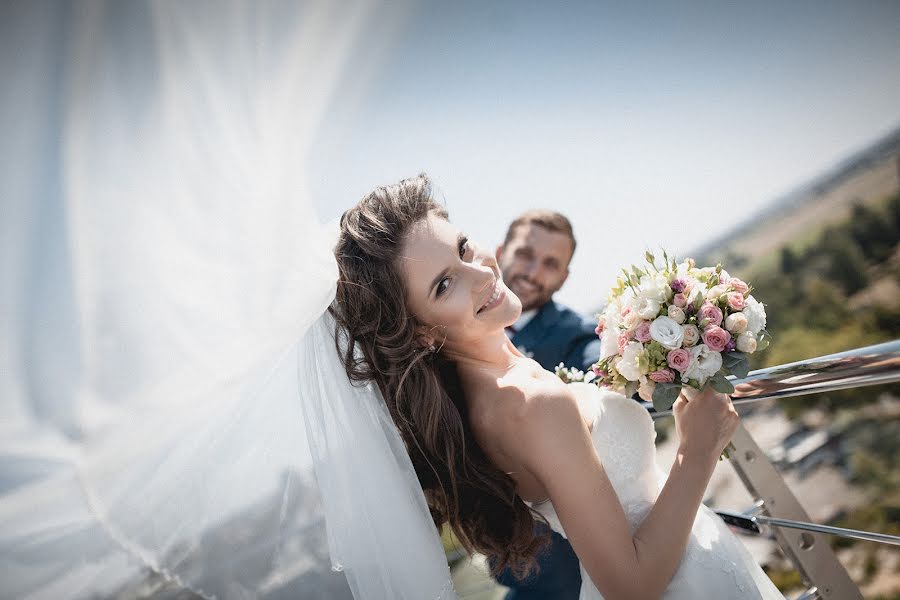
(548, 219)
(380, 340)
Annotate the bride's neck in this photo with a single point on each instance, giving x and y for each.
(492, 355)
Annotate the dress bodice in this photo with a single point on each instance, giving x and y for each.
(715, 563)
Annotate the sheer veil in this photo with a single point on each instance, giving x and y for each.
(174, 413)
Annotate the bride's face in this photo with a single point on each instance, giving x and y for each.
(453, 286)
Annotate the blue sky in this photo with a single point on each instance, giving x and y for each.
(648, 125)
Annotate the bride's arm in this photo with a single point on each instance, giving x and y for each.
(556, 448)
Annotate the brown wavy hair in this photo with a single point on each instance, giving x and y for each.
(421, 387)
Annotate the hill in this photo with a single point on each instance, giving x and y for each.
(797, 218)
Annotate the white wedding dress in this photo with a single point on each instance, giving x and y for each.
(715, 563)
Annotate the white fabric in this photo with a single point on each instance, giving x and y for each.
(524, 319)
(715, 563)
(169, 381)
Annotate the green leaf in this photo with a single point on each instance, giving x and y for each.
(720, 384)
(741, 369)
(733, 357)
(665, 395)
(736, 363)
(631, 388)
(762, 344)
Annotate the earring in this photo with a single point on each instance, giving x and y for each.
(431, 348)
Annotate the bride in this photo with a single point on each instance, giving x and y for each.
(186, 323)
(415, 411)
(496, 441)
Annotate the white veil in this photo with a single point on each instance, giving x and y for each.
(174, 413)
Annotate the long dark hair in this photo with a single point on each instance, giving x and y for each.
(422, 388)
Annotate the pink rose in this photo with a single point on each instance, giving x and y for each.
(680, 300)
(599, 329)
(735, 300)
(663, 375)
(679, 359)
(715, 338)
(738, 285)
(624, 338)
(710, 313)
(598, 371)
(642, 333)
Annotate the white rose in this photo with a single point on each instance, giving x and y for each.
(654, 287)
(630, 365)
(676, 313)
(647, 308)
(612, 316)
(704, 364)
(691, 335)
(694, 288)
(627, 298)
(736, 323)
(667, 332)
(755, 313)
(746, 342)
(645, 390)
(715, 291)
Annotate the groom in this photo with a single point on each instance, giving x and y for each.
(534, 260)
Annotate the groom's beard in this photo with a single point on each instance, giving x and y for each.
(530, 293)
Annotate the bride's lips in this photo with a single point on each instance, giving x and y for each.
(495, 299)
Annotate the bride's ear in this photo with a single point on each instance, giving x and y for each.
(428, 337)
(424, 336)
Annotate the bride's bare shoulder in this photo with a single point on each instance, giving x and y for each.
(535, 408)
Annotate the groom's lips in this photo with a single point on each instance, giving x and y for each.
(523, 285)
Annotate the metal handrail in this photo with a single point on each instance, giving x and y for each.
(751, 523)
(776, 507)
(870, 365)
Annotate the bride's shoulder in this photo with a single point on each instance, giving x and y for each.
(548, 408)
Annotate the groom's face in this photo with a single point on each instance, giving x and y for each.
(535, 263)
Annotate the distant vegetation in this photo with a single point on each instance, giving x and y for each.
(839, 291)
(835, 291)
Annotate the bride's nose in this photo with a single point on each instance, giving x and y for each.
(484, 264)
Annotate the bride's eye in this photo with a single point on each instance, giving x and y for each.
(442, 286)
(463, 247)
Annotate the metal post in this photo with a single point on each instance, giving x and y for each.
(808, 551)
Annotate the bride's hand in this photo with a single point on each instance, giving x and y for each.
(705, 422)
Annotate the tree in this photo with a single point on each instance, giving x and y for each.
(847, 262)
(788, 260)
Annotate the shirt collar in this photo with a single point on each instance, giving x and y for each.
(524, 318)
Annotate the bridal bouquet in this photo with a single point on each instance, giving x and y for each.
(673, 325)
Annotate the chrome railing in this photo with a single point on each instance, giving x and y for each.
(776, 509)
